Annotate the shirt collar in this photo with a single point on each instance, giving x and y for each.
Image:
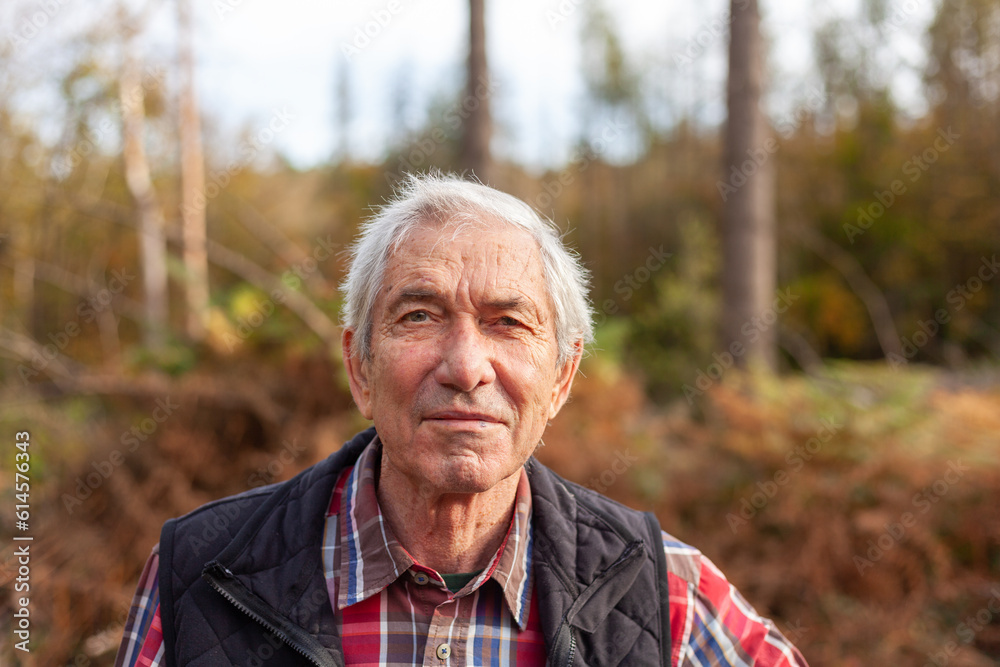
(371, 558)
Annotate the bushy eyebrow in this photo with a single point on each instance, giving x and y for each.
(427, 295)
(409, 295)
(413, 294)
(513, 303)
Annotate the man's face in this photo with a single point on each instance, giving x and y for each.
(462, 377)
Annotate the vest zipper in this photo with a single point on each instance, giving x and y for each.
(258, 610)
(572, 650)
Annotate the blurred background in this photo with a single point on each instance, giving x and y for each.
(791, 214)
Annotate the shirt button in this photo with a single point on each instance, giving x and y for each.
(443, 651)
(421, 578)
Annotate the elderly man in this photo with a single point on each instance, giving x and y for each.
(434, 538)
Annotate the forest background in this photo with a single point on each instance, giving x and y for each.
(798, 322)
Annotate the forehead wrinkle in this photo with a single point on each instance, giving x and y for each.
(516, 265)
(417, 276)
(397, 271)
(458, 222)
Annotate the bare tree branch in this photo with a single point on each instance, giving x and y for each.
(39, 358)
(69, 282)
(308, 312)
(796, 345)
(270, 235)
(863, 286)
(234, 262)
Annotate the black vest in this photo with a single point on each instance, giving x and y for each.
(241, 579)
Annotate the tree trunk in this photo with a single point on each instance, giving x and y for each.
(192, 183)
(344, 111)
(478, 126)
(747, 188)
(152, 243)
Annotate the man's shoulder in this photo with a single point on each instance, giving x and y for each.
(259, 493)
(568, 497)
(211, 527)
(236, 505)
(574, 500)
(208, 529)
(252, 496)
(683, 560)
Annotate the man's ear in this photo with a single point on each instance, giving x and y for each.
(357, 372)
(564, 379)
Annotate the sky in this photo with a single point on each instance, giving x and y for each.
(258, 60)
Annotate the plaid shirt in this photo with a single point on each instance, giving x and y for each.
(394, 611)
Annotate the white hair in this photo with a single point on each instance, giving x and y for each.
(423, 199)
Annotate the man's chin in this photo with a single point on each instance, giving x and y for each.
(461, 475)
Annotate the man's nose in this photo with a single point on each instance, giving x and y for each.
(466, 360)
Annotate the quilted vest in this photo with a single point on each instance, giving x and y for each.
(241, 579)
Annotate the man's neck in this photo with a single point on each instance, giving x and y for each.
(450, 533)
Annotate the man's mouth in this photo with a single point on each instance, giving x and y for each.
(462, 416)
